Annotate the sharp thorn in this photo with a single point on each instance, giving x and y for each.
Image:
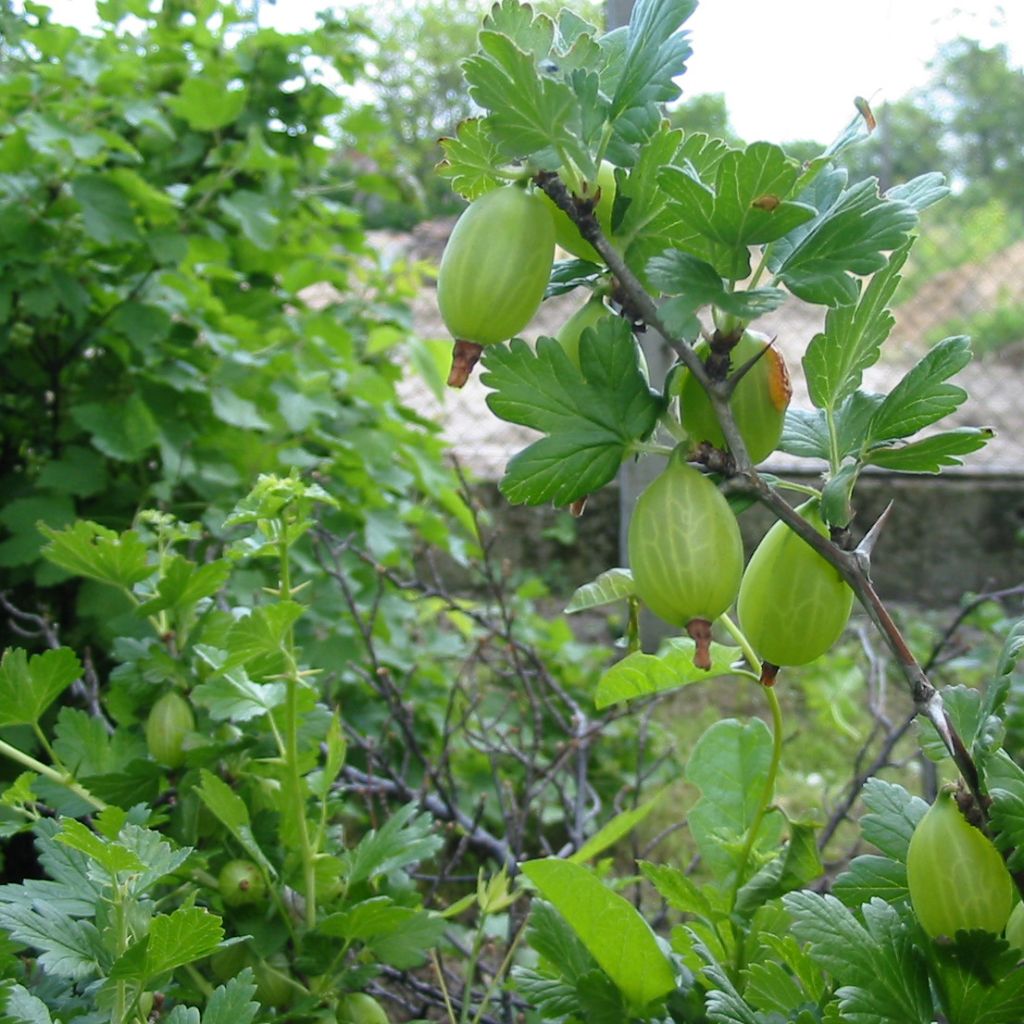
(863, 550)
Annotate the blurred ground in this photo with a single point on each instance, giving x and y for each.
(995, 382)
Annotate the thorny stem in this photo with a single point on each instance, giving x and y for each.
(855, 571)
(768, 792)
(745, 478)
(642, 307)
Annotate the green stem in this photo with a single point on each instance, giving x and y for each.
(789, 485)
(762, 263)
(291, 738)
(45, 744)
(570, 175)
(768, 792)
(444, 988)
(474, 956)
(61, 778)
(121, 944)
(499, 974)
(650, 448)
(744, 644)
(199, 981)
(674, 427)
(606, 138)
(833, 442)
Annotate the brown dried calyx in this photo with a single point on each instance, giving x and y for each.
(700, 631)
(465, 355)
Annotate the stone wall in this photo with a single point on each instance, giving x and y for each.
(945, 536)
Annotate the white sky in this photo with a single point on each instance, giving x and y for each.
(789, 69)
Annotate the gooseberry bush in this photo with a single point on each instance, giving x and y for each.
(268, 766)
(671, 226)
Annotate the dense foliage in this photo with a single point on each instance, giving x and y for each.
(416, 93)
(215, 532)
(161, 219)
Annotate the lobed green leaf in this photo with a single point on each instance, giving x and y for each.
(879, 968)
(931, 454)
(923, 396)
(835, 360)
(891, 817)
(529, 111)
(90, 550)
(610, 927)
(405, 838)
(28, 686)
(470, 159)
(593, 415)
(748, 203)
(611, 586)
(232, 1002)
(641, 675)
(849, 237)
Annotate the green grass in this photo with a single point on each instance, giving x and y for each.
(989, 330)
(952, 236)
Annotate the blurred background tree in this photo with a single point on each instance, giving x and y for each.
(706, 112)
(416, 91)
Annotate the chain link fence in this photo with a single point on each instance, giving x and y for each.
(963, 277)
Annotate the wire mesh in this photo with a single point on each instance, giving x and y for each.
(962, 278)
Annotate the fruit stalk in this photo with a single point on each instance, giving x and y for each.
(465, 355)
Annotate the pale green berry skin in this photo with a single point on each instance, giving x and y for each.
(793, 605)
(590, 313)
(758, 404)
(958, 880)
(496, 266)
(567, 233)
(1015, 928)
(360, 1008)
(241, 883)
(169, 721)
(685, 548)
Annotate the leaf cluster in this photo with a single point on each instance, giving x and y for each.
(165, 205)
(698, 222)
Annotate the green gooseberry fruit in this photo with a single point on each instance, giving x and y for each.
(1015, 928)
(793, 605)
(493, 272)
(592, 311)
(169, 721)
(758, 404)
(228, 962)
(567, 233)
(275, 986)
(360, 1008)
(241, 883)
(958, 880)
(685, 551)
